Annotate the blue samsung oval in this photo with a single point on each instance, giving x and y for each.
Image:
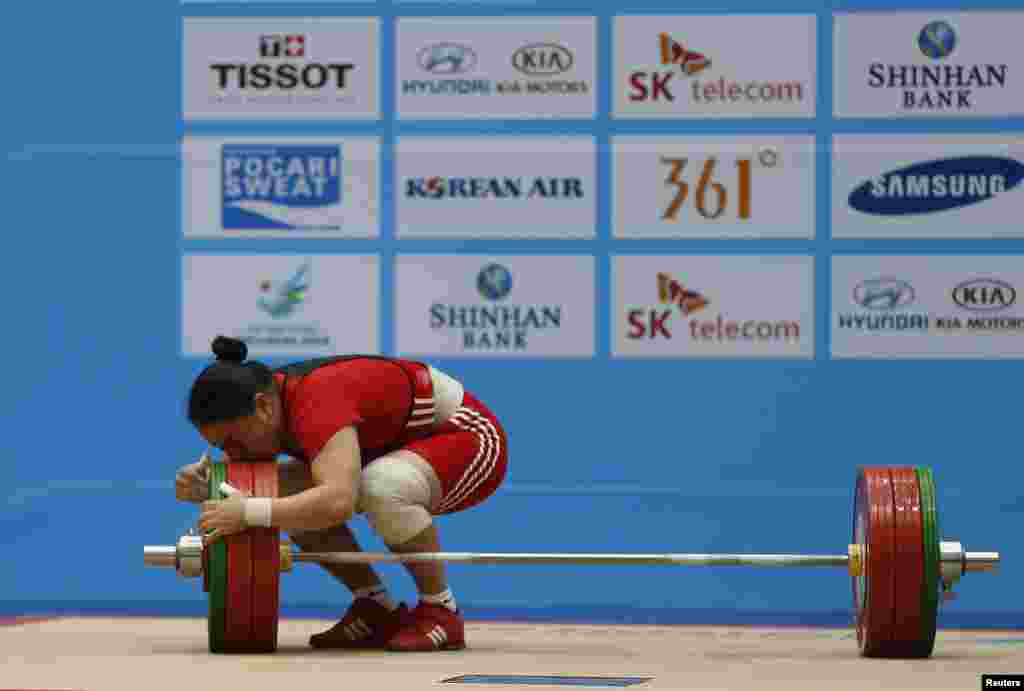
(938, 185)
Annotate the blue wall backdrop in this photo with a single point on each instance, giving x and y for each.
(673, 455)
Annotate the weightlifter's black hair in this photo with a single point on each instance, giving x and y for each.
(226, 389)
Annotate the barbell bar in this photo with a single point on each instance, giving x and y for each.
(897, 563)
(190, 547)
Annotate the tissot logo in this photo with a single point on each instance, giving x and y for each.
(283, 70)
(984, 295)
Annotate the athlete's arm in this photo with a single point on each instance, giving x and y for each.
(332, 500)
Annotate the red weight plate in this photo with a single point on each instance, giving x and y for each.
(238, 601)
(266, 561)
(908, 566)
(875, 629)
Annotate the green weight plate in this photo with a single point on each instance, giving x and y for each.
(932, 574)
(218, 573)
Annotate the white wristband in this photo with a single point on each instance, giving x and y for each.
(257, 511)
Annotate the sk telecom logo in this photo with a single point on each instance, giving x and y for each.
(673, 53)
(654, 86)
(653, 323)
(672, 292)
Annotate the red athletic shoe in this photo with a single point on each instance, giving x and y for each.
(367, 624)
(428, 628)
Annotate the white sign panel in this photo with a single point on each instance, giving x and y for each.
(928, 64)
(508, 67)
(926, 307)
(281, 305)
(504, 306)
(496, 187)
(715, 66)
(928, 186)
(281, 68)
(759, 186)
(312, 187)
(713, 306)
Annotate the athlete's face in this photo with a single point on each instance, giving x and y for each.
(255, 437)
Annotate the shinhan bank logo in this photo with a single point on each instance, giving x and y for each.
(281, 299)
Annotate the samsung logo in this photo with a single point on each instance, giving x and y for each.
(883, 294)
(543, 59)
(984, 295)
(937, 185)
(447, 58)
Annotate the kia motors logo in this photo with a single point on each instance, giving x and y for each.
(447, 58)
(984, 295)
(883, 294)
(543, 59)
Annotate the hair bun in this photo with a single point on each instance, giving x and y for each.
(230, 349)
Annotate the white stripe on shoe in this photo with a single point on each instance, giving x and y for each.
(438, 636)
(357, 630)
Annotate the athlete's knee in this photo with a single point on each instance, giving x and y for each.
(397, 493)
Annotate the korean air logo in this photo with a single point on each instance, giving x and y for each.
(447, 58)
(883, 294)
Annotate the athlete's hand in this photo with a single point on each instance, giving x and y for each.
(192, 483)
(221, 518)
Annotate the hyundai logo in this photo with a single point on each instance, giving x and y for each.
(883, 294)
(447, 58)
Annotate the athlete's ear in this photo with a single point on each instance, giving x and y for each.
(265, 407)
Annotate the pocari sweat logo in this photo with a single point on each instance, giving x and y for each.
(280, 187)
(937, 185)
(282, 298)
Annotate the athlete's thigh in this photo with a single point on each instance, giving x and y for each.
(468, 454)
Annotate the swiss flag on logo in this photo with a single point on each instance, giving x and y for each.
(295, 46)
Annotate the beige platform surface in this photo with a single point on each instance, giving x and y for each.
(143, 654)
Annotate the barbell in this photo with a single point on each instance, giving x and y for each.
(900, 568)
